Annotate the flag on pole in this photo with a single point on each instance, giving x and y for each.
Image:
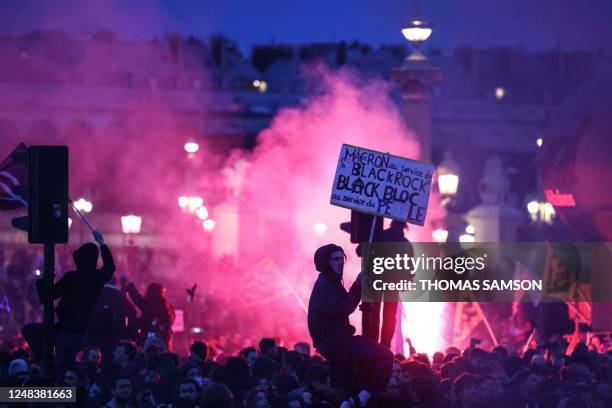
(13, 176)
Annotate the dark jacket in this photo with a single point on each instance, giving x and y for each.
(79, 291)
(157, 315)
(328, 313)
(113, 315)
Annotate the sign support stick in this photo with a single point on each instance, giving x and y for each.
(81, 216)
(368, 329)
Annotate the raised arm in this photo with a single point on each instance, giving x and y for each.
(108, 263)
(135, 296)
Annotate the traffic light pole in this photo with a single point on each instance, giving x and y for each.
(48, 355)
(46, 197)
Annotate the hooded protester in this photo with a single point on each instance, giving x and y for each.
(333, 336)
(114, 314)
(79, 291)
(157, 312)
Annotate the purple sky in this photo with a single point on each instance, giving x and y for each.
(535, 24)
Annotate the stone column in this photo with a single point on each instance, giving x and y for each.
(416, 79)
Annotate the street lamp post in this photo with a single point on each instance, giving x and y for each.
(416, 78)
(447, 178)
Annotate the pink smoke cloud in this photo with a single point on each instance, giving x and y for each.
(288, 179)
(136, 163)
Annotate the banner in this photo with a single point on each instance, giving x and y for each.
(13, 174)
(382, 184)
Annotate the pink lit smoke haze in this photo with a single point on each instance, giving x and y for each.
(258, 260)
(289, 175)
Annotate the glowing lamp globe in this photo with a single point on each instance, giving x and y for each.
(417, 31)
(194, 203)
(191, 147)
(500, 93)
(183, 201)
(208, 225)
(130, 224)
(448, 184)
(202, 213)
(448, 176)
(466, 238)
(83, 205)
(533, 207)
(439, 235)
(320, 228)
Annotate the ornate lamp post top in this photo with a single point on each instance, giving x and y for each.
(417, 31)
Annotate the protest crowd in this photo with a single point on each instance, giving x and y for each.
(114, 364)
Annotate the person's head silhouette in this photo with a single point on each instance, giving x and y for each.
(155, 291)
(329, 260)
(86, 257)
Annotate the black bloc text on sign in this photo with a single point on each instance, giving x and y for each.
(382, 184)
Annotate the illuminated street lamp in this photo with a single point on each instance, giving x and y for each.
(541, 211)
(83, 205)
(194, 203)
(448, 184)
(467, 238)
(417, 31)
(190, 204)
(183, 201)
(320, 228)
(533, 207)
(191, 147)
(439, 235)
(261, 86)
(202, 213)
(208, 225)
(130, 224)
(548, 213)
(448, 176)
(500, 93)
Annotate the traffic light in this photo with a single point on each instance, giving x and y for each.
(37, 178)
(360, 227)
(48, 194)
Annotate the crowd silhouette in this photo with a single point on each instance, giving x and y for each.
(114, 345)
